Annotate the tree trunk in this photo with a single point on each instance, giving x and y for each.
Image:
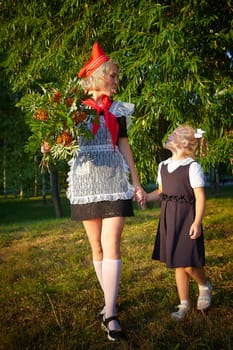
(55, 193)
(35, 178)
(44, 189)
(214, 179)
(21, 193)
(4, 175)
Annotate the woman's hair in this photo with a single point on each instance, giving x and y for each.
(92, 81)
(190, 143)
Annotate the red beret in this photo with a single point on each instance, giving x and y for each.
(98, 57)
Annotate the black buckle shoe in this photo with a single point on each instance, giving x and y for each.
(113, 335)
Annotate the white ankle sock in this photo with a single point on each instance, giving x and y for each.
(111, 271)
(203, 286)
(205, 289)
(185, 303)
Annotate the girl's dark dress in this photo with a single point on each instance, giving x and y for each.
(173, 244)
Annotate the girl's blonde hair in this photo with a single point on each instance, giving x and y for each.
(93, 81)
(187, 133)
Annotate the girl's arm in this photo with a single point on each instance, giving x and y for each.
(195, 229)
(154, 195)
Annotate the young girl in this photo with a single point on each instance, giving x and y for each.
(179, 242)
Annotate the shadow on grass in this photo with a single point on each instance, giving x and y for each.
(21, 210)
(13, 210)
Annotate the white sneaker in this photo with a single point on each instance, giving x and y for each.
(180, 314)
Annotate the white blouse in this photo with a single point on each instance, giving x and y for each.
(196, 174)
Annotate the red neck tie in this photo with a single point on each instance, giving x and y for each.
(109, 118)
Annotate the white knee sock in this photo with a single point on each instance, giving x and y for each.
(98, 271)
(111, 271)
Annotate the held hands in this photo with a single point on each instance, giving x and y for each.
(195, 231)
(143, 197)
(140, 196)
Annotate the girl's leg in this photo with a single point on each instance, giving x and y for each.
(205, 288)
(182, 283)
(197, 273)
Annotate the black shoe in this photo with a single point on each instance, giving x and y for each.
(113, 335)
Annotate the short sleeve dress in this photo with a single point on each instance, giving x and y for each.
(98, 180)
(173, 246)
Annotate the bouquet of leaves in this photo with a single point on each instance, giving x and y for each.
(56, 117)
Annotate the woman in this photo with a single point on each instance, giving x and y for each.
(98, 187)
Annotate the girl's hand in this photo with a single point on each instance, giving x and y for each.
(45, 148)
(195, 231)
(140, 196)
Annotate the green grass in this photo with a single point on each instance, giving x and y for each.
(50, 298)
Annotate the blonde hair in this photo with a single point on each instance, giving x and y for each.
(187, 133)
(92, 81)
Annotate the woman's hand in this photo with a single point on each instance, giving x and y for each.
(45, 148)
(140, 196)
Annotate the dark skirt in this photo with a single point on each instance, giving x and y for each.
(104, 209)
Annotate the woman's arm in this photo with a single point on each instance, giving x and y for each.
(154, 195)
(124, 147)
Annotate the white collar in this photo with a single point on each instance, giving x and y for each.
(179, 162)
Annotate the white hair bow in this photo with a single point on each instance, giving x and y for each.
(198, 133)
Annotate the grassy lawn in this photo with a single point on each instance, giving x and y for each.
(50, 298)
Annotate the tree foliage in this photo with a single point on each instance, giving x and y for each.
(15, 169)
(175, 58)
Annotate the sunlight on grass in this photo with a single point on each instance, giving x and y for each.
(50, 298)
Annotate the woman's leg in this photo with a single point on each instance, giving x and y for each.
(93, 229)
(111, 237)
(111, 269)
(105, 237)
